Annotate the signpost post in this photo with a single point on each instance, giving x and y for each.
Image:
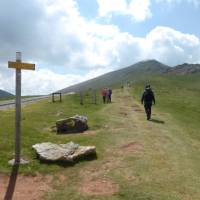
(18, 65)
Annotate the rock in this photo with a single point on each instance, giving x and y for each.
(22, 162)
(73, 124)
(69, 152)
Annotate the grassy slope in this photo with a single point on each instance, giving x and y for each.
(13, 97)
(37, 120)
(179, 96)
(6, 98)
(118, 77)
(167, 168)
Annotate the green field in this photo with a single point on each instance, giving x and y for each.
(37, 120)
(179, 96)
(145, 160)
(13, 97)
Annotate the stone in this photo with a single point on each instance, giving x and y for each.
(75, 124)
(22, 162)
(68, 152)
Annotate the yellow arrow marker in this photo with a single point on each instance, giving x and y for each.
(18, 65)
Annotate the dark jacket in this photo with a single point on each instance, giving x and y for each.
(148, 97)
(109, 92)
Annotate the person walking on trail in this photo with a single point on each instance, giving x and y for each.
(104, 94)
(147, 99)
(109, 95)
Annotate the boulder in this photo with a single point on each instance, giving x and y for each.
(68, 152)
(75, 124)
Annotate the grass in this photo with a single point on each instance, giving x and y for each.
(179, 96)
(37, 120)
(13, 97)
(166, 169)
(6, 98)
(167, 166)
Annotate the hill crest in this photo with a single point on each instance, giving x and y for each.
(184, 69)
(133, 72)
(3, 93)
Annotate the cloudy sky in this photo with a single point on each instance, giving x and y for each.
(74, 40)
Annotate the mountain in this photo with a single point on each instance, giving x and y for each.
(134, 72)
(5, 94)
(184, 69)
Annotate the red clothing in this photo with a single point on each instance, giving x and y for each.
(104, 92)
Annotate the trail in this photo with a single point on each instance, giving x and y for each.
(146, 159)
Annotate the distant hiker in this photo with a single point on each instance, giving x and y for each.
(104, 94)
(109, 95)
(147, 99)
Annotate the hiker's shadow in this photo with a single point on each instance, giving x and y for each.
(12, 182)
(157, 121)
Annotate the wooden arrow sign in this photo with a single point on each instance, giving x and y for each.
(19, 65)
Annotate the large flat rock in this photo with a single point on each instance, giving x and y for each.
(75, 124)
(69, 152)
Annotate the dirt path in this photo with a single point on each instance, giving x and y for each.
(27, 187)
(129, 126)
(143, 153)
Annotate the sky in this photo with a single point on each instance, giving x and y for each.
(71, 41)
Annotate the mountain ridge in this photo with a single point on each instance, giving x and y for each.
(4, 93)
(139, 70)
(184, 69)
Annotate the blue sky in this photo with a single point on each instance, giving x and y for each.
(75, 40)
(182, 16)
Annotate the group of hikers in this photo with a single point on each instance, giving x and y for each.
(147, 98)
(106, 94)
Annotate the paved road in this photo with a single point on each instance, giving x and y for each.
(10, 103)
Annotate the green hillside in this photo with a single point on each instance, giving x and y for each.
(136, 159)
(119, 77)
(177, 95)
(4, 94)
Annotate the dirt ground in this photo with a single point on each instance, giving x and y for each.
(104, 187)
(27, 187)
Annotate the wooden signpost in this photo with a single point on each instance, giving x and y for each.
(56, 93)
(18, 65)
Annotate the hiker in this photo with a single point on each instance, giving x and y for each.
(147, 99)
(104, 94)
(109, 95)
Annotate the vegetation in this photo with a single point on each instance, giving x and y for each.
(179, 96)
(147, 160)
(4, 94)
(37, 120)
(134, 72)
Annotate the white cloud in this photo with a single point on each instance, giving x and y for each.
(139, 10)
(173, 47)
(109, 6)
(120, 49)
(60, 39)
(45, 81)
